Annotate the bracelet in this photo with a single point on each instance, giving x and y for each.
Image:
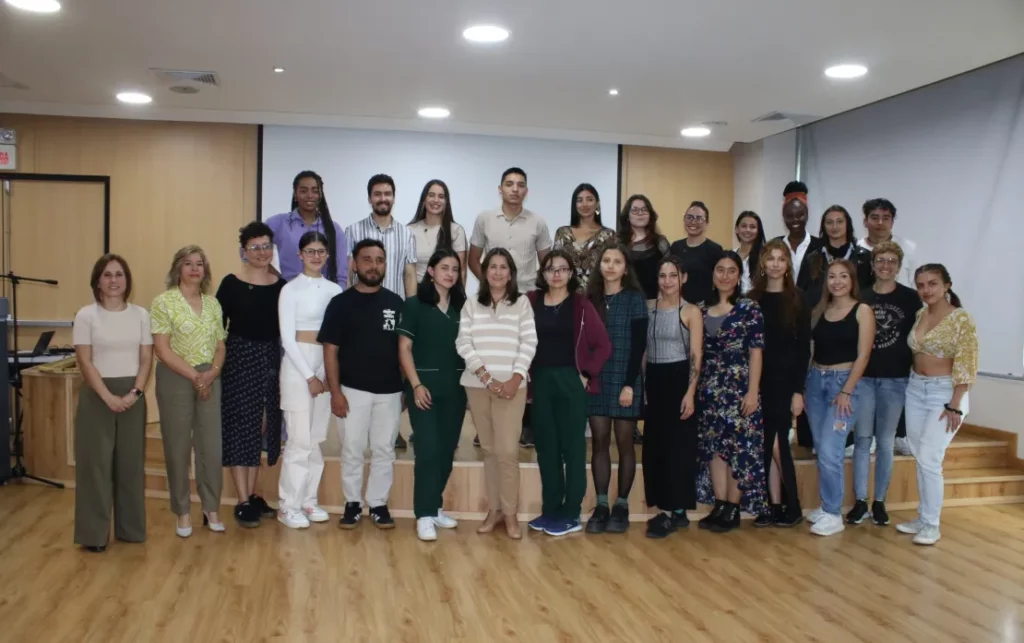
(952, 410)
(417, 386)
(845, 393)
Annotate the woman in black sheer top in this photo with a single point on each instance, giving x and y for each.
(787, 353)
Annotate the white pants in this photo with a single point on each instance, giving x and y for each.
(306, 419)
(372, 419)
(928, 438)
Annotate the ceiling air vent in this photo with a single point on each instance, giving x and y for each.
(6, 82)
(178, 78)
(770, 117)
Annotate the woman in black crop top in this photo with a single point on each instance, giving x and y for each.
(787, 352)
(250, 394)
(843, 333)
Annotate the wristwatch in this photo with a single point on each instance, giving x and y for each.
(135, 392)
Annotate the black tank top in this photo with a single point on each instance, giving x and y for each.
(836, 342)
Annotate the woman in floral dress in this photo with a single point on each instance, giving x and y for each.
(584, 237)
(730, 441)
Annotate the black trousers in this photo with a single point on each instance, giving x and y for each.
(778, 419)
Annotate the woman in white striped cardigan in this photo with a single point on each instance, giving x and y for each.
(498, 339)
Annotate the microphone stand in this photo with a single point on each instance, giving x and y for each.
(18, 470)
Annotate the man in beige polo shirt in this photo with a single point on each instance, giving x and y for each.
(524, 234)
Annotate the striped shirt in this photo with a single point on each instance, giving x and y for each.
(502, 340)
(399, 248)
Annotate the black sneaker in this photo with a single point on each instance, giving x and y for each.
(382, 517)
(598, 520)
(638, 438)
(767, 519)
(786, 517)
(476, 441)
(619, 521)
(728, 520)
(264, 510)
(247, 515)
(526, 438)
(353, 514)
(712, 518)
(680, 519)
(660, 526)
(879, 515)
(858, 513)
(400, 442)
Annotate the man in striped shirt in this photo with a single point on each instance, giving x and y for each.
(399, 244)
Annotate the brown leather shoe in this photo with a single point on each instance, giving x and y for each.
(489, 523)
(512, 527)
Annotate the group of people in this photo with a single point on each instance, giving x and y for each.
(716, 351)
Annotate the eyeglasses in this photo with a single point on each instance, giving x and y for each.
(886, 261)
(693, 218)
(639, 211)
(557, 271)
(260, 246)
(315, 252)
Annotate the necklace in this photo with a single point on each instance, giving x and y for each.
(557, 307)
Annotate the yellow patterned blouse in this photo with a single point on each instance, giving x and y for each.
(954, 337)
(193, 337)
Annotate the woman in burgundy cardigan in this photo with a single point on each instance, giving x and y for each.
(572, 346)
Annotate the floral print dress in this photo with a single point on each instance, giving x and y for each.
(724, 431)
(585, 255)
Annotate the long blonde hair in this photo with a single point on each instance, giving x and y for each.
(173, 279)
(826, 294)
(792, 297)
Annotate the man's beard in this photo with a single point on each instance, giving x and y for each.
(367, 280)
(382, 209)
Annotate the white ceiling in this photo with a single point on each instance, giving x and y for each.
(373, 64)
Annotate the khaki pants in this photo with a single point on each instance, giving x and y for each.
(187, 422)
(498, 423)
(373, 419)
(110, 467)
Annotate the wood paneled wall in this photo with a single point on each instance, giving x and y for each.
(673, 178)
(172, 184)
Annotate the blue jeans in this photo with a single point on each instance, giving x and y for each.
(830, 431)
(881, 403)
(928, 438)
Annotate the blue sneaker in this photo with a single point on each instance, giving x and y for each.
(562, 527)
(540, 523)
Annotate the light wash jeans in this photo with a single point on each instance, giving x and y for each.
(882, 400)
(928, 438)
(830, 432)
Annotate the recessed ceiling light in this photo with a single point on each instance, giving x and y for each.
(278, 70)
(485, 33)
(846, 71)
(36, 6)
(613, 92)
(434, 112)
(695, 132)
(134, 98)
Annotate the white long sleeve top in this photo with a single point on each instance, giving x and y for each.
(301, 306)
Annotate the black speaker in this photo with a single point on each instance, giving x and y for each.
(6, 421)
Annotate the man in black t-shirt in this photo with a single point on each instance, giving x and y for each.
(361, 359)
(699, 254)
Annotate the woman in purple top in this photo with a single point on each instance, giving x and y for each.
(309, 212)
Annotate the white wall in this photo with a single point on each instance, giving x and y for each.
(470, 165)
(761, 170)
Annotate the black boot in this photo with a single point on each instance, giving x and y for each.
(712, 518)
(728, 520)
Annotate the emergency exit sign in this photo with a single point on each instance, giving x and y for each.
(8, 157)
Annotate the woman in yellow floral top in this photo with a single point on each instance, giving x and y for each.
(945, 345)
(584, 237)
(188, 337)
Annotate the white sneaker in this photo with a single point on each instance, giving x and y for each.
(912, 527)
(315, 514)
(902, 447)
(828, 525)
(425, 529)
(815, 515)
(444, 521)
(293, 519)
(928, 535)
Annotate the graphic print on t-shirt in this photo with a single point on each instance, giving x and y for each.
(389, 319)
(889, 319)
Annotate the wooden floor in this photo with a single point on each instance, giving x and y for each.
(274, 584)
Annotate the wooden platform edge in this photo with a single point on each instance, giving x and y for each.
(1002, 435)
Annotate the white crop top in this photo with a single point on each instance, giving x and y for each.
(301, 306)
